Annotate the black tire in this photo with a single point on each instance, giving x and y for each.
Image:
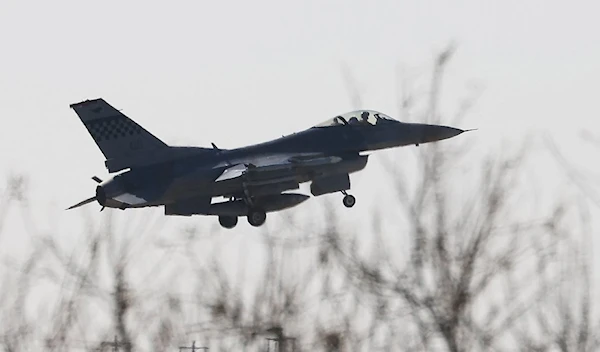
(349, 201)
(256, 217)
(228, 222)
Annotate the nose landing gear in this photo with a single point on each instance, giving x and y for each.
(348, 200)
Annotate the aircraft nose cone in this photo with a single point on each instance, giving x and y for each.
(432, 133)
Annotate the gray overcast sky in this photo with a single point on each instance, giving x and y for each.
(239, 72)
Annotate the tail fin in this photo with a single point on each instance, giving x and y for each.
(117, 136)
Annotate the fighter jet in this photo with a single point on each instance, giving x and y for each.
(253, 180)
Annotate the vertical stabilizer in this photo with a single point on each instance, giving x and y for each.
(117, 136)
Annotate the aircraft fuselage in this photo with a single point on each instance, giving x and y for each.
(252, 178)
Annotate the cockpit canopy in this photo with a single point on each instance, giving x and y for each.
(359, 117)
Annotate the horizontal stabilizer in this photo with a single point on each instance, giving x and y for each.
(130, 199)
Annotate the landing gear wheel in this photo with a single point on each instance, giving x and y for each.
(257, 217)
(227, 221)
(349, 201)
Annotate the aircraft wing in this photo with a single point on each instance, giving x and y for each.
(274, 174)
(275, 164)
(232, 172)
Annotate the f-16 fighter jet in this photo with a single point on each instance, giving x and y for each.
(253, 180)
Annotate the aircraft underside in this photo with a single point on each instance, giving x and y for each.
(258, 191)
(257, 214)
(256, 207)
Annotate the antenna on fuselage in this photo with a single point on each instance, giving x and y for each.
(219, 152)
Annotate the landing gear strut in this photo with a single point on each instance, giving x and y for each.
(348, 200)
(256, 217)
(227, 221)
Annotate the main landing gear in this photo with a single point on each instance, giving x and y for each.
(256, 218)
(228, 221)
(348, 200)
